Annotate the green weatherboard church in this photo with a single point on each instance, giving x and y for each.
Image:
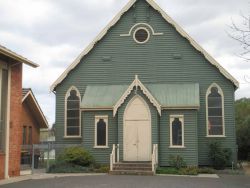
(146, 86)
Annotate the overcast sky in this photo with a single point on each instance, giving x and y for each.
(53, 32)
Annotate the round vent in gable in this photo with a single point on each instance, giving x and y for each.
(141, 35)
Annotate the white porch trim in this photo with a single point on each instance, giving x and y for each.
(136, 83)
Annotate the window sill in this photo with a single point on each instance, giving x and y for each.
(216, 136)
(100, 147)
(72, 137)
(177, 147)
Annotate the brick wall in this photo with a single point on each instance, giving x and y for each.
(15, 137)
(28, 120)
(2, 158)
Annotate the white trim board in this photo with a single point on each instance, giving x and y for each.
(37, 105)
(168, 19)
(136, 83)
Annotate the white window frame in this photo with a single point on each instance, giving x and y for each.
(65, 113)
(105, 118)
(222, 103)
(171, 119)
(144, 28)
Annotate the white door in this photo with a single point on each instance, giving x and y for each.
(137, 131)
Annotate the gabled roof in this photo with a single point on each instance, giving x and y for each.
(7, 52)
(137, 83)
(168, 19)
(30, 100)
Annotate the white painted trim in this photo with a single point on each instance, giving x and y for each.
(144, 24)
(30, 93)
(124, 123)
(136, 83)
(144, 28)
(105, 118)
(69, 137)
(6, 169)
(180, 107)
(96, 109)
(171, 119)
(7, 52)
(65, 112)
(168, 19)
(223, 115)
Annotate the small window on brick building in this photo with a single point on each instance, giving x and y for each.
(30, 135)
(24, 135)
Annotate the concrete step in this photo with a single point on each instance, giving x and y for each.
(132, 168)
(131, 172)
(133, 164)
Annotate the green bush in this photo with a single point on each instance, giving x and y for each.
(206, 170)
(176, 161)
(167, 170)
(190, 170)
(220, 158)
(67, 168)
(102, 169)
(76, 156)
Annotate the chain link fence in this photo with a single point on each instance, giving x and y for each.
(39, 157)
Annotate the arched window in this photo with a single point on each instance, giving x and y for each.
(72, 113)
(215, 111)
(176, 131)
(101, 131)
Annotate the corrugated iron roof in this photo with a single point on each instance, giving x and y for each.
(104, 96)
(168, 95)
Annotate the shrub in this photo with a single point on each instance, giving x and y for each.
(76, 156)
(206, 170)
(176, 161)
(220, 158)
(190, 170)
(102, 169)
(67, 168)
(166, 170)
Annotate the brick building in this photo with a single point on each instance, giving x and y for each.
(11, 65)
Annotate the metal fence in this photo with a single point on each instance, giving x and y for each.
(37, 157)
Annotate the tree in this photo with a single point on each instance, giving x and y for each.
(241, 33)
(242, 112)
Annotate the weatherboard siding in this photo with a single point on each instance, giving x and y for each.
(190, 152)
(154, 62)
(88, 121)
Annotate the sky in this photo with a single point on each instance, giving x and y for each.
(52, 33)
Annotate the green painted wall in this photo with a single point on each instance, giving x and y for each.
(88, 123)
(190, 152)
(154, 62)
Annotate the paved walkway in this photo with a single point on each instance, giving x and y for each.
(109, 181)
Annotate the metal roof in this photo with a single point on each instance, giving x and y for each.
(7, 52)
(104, 96)
(176, 95)
(168, 95)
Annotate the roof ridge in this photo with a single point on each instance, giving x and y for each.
(168, 19)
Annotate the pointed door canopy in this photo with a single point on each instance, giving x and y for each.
(137, 83)
(168, 19)
(162, 96)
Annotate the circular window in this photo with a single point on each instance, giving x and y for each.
(141, 35)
